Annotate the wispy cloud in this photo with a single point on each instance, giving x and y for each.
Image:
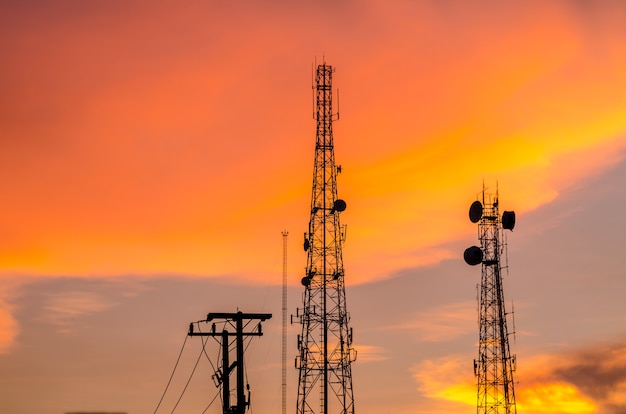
(9, 328)
(448, 378)
(442, 323)
(63, 308)
(369, 353)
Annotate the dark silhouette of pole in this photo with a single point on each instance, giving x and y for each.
(239, 334)
(225, 377)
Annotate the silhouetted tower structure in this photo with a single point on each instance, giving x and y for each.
(325, 350)
(284, 338)
(495, 365)
(233, 326)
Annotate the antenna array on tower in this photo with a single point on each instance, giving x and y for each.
(495, 366)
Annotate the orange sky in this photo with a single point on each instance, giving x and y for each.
(128, 150)
(177, 140)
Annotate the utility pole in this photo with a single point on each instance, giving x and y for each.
(495, 365)
(325, 345)
(236, 321)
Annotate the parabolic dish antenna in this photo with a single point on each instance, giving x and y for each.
(508, 220)
(476, 212)
(339, 205)
(473, 255)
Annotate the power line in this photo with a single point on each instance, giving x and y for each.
(172, 375)
(190, 376)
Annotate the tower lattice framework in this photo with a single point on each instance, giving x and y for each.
(495, 365)
(325, 350)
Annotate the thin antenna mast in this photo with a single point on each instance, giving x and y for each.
(284, 351)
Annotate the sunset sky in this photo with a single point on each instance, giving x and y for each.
(151, 153)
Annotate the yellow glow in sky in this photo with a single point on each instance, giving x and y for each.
(554, 398)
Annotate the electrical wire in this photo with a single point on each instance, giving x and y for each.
(172, 375)
(189, 380)
(212, 401)
(205, 353)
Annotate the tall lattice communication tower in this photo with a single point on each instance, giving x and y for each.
(495, 365)
(325, 352)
